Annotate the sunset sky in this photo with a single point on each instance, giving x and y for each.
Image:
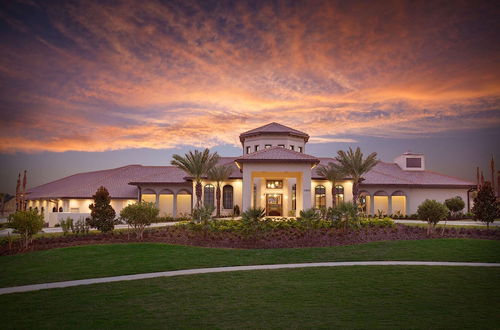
(89, 85)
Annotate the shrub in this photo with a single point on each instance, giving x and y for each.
(139, 215)
(251, 217)
(102, 214)
(203, 214)
(81, 226)
(377, 222)
(310, 218)
(343, 215)
(486, 207)
(432, 211)
(66, 225)
(455, 205)
(236, 210)
(26, 224)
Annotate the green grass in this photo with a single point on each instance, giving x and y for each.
(349, 297)
(120, 259)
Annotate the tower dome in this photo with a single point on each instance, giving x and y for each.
(273, 135)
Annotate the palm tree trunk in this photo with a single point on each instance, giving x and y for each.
(355, 193)
(217, 196)
(334, 195)
(198, 194)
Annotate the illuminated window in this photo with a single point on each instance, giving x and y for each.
(319, 196)
(256, 147)
(227, 197)
(339, 193)
(300, 149)
(292, 147)
(281, 145)
(268, 146)
(248, 150)
(274, 184)
(208, 195)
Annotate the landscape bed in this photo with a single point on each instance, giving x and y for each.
(274, 238)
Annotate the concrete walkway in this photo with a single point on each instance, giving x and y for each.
(54, 285)
(452, 223)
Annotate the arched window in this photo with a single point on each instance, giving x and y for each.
(54, 209)
(339, 194)
(208, 195)
(319, 197)
(60, 209)
(227, 197)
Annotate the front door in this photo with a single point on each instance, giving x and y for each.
(274, 205)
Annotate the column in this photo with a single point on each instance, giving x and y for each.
(157, 200)
(407, 203)
(174, 208)
(372, 204)
(306, 190)
(389, 206)
(247, 191)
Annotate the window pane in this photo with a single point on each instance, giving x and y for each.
(274, 184)
(208, 195)
(227, 197)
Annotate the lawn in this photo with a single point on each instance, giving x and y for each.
(350, 297)
(120, 259)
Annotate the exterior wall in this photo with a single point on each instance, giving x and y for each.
(414, 197)
(237, 185)
(347, 184)
(274, 141)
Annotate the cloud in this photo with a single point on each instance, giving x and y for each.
(93, 76)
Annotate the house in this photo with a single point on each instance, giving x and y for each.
(274, 172)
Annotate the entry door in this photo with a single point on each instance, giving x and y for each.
(274, 205)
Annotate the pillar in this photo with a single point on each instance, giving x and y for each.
(306, 191)
(174, 207)
(372, 204)
(157, 200)
(247, 191)
(389, 205)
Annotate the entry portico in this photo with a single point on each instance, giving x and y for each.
(277, 179)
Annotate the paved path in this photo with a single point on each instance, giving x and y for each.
(53, 285)
(452, 223)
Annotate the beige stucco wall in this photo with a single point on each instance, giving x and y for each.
(237, 185)
(274, 141)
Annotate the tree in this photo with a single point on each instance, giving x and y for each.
(26, 224)
(196, 164)
(344, 214)
(203, 214)
(352, 164)
(332, 173)
(251, 218)
(102, 215)
(139, 215)
(486, 207)
(432, 211)
(455, 204)
(219, 174)
(309, 217)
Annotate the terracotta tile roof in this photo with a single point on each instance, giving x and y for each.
(391, 174)
(84, 185)
(274, 128)
(277, 154)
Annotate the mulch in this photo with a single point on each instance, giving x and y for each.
(287, 238)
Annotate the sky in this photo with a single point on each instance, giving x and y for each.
(89, 85)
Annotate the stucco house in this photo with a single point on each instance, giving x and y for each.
(274, 172)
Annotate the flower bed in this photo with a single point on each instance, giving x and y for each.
(282, 235)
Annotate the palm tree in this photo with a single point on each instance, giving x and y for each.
(219, 174)
(332, 173)
(196, 165)
(352, 164)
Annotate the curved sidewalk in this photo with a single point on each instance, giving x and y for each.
(65, 284)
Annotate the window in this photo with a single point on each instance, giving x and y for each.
(60, 209)
(294, 197)
(281, 145)
(254, 195)
(292, 147)
(339, 194)
(414, 162)
(268, 146)
(208, 195)
(274, 184)
(319, 197)
(54, 209)
(257, 147)
(227, 197)
(300, 149)
(248, 150)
